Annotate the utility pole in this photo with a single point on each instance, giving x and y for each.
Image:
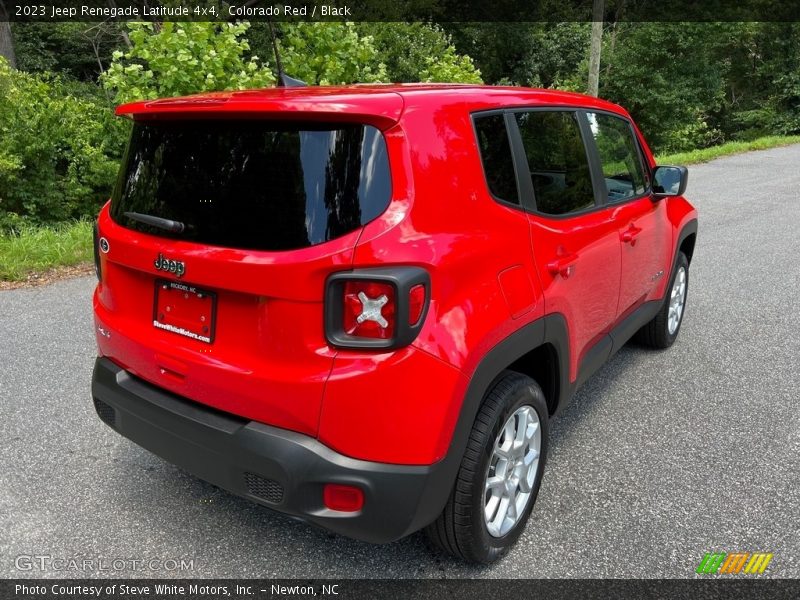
(595, 47)
(6, 40)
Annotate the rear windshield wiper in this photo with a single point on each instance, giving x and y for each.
(165, 224)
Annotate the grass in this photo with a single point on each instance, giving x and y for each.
(36, 249)
(706, 154)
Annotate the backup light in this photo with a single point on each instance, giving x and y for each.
(369, 309)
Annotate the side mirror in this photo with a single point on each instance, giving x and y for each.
(670, 181)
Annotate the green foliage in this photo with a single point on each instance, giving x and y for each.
(40, 248)
(668, 77)
(329, 54)
(450, 68)
(77, 50)
(185, 58)
(779, 64)
(687, 84)
(530, 54)
(59, 152)
(176, 59)
(419, 52)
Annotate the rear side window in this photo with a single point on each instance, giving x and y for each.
(496, 156)
(619, 156)
(257, 185)
(562, 180)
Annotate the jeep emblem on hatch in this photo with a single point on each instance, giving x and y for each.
(171, 266)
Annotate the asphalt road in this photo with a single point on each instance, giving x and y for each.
(661, 457)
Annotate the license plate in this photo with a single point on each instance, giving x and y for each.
(184, 309)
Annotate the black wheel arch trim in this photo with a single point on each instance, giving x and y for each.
(690, 228)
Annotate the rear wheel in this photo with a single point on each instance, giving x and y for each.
(662, 331)
(500, 473)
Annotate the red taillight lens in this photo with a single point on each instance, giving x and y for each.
(344, 498)
(416, 302)
(370, 309)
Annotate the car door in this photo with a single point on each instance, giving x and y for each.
(644, 232)
(575, 239)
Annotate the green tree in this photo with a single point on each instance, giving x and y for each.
(175, 59)
(79, 50)
(329, 54)
(419, 52)
(530, 54)
(670, 78)
(778, 69)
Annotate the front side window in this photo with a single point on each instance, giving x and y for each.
(562, 180)
(257, 185)
(619, 156)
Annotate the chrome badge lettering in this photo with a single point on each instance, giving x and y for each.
(177, 267)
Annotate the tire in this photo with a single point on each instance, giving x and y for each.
(462, 529)
(658, 333)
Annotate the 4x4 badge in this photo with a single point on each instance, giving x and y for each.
(171, 266)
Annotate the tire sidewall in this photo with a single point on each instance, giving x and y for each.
(681, 261)
(526, 393)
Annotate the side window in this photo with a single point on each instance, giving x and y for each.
(619, 156)
(562, 180)
(496, 157)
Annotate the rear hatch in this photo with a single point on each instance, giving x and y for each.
(215, 248)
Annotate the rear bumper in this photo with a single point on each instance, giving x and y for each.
(281, 469)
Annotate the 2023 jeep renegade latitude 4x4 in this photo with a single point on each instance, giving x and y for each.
(361, 306)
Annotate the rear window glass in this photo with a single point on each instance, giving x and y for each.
(496, 156)
(257, 185)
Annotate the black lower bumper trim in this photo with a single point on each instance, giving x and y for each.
(281, 469)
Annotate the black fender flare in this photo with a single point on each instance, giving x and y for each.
(690, 228)
(550, 329)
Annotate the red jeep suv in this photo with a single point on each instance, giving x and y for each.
(362, 305)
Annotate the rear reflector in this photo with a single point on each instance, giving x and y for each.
(96, 239)
(416, 302)
(343, 498)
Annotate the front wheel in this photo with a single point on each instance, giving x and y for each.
(500, 473)
(662, 331)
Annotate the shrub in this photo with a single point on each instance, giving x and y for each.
(419, 52)
(59, 154)
(330, 54)
(176, 59)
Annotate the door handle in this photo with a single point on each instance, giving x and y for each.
(629, 235)
(563, 265)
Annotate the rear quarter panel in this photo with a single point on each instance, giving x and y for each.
(443, 219)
